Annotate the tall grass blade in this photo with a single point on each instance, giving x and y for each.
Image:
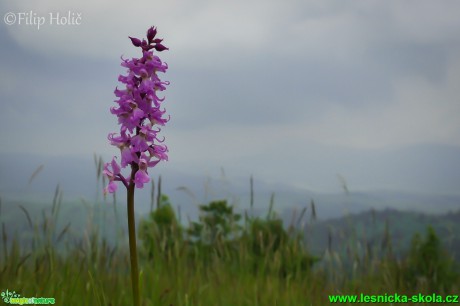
(21, 262)
(159, 193)
(5, 240)
(251, 203)
(299, 220)
(66, 228)
(29, 220)
(152, 195)
(270, 208)
(100, 166)
(55, 200)
(343, 183)
(35, 173)
(313, 210)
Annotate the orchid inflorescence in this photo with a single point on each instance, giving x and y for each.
(140, 115)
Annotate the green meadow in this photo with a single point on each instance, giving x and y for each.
(223, 258)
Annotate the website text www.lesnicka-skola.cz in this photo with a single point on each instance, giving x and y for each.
(394, 298)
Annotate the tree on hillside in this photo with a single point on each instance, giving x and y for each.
(428, 262)
(217, 222)
(161, 231)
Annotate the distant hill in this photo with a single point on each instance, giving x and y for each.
(366, 232)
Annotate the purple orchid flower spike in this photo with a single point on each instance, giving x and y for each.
(139, 113)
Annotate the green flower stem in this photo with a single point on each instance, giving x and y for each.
(132, 241)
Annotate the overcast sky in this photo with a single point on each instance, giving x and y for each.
(268, 88)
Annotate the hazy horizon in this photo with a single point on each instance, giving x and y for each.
(77, 180)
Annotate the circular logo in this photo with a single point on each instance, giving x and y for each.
(10, 18)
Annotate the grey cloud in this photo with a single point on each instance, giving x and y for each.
(319, 66)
